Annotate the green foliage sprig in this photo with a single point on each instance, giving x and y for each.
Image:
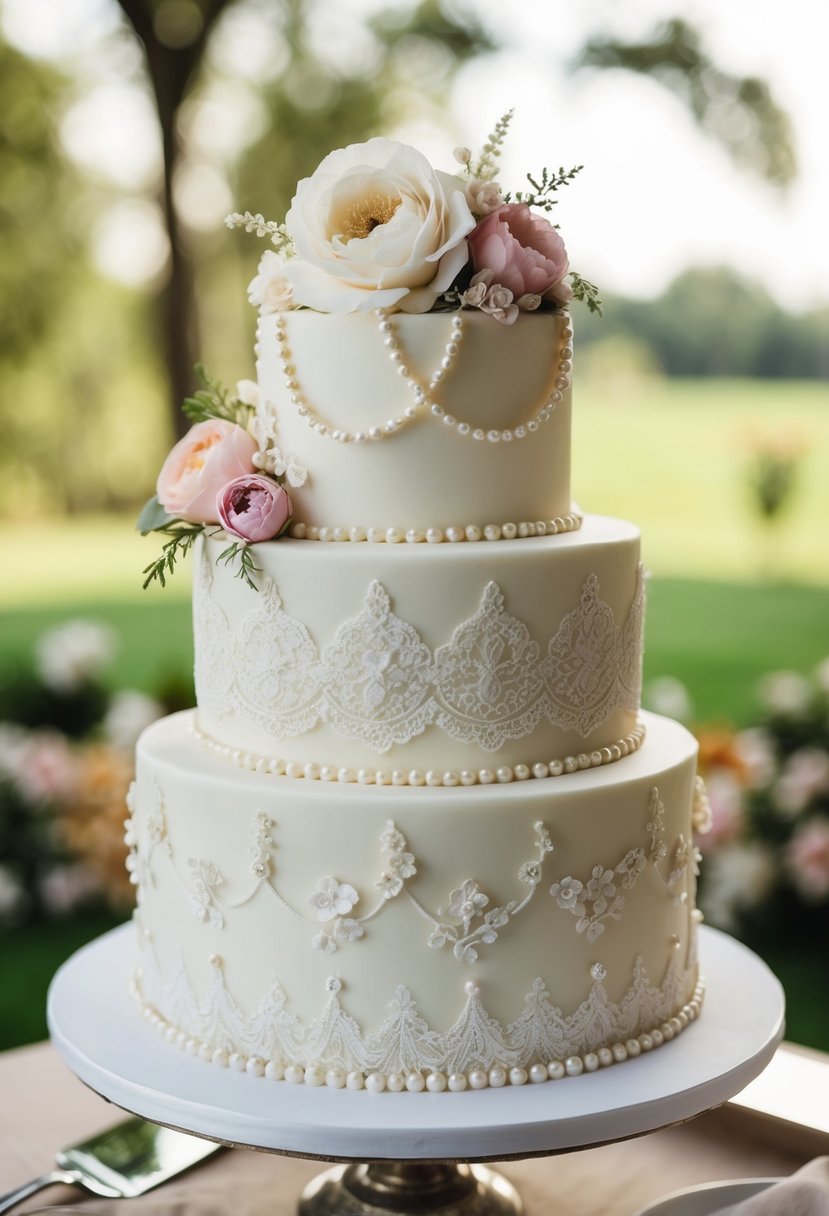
(586, 293)
(485, 167)
(240, 552)
(542, 190)
(280, 237)
(215, 401)
(182, 538)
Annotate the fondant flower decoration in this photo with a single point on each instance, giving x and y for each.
(524, 252)
(332, 898)
(254, 508)
(211, 454)
(375, 226)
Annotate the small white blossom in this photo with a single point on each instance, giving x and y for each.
(467, 901)
(499, 303)
(332, 898)
(286, 466)
(462, 155)
(247, 391)
(529, 302)
(566, 893)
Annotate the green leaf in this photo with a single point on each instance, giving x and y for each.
(152, 517)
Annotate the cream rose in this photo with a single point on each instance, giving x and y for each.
(376, 227)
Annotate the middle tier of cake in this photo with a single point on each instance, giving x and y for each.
(416, 664)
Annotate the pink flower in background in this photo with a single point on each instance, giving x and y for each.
(725, 797)
(524, 252)
(254, 508)
(807, 859)
(210, 455)
(47, 771)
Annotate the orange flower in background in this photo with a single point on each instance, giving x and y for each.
(91, 821)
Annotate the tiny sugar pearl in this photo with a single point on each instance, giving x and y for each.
(556, 1070)
(335, 1078)
(354, 1080)
(518, 1076)
(295, 1074)
(375, 1082)
(255, 1067)
(436, 1082)
(415, 1082)
(274, 1071)
(497, 1076)
(395, 1082)
(314, 1076)
(456, 1082)
(538, 1073)
(478, 1079)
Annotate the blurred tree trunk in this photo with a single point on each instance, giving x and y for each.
(171, 69)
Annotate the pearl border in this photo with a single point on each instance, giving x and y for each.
(503, 774)
(434, 536)
(423, 402)
(419, 1080)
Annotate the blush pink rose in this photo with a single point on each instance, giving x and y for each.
(254, 508)
(523, 251)
(210, 455)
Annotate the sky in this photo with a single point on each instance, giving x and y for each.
(655, 196)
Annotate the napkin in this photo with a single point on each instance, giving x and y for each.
(806, 1193)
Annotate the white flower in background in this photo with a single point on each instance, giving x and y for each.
(333, 898)
(805, 774)
(785, 692)
(70, 655)
(375, 226)
(807, 859)
(270, 290)
(130, 712)
(668, 696)
(462, 154)
(65, 887)
(247, 391)
(483, 197)
(755, 750)
(737, 878)
(12, 749)
(12, 896)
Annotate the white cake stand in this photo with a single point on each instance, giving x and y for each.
(414, 1142)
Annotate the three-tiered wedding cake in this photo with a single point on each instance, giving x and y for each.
(417, 834)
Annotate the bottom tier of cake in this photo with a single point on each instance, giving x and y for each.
(400, 937)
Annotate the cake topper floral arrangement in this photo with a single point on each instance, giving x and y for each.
(374, 229)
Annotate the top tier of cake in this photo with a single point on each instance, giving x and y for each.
(485, 441)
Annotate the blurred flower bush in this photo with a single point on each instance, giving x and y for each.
(766, 857)
(66, 761)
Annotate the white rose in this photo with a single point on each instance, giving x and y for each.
(376, 227)
(270, 291)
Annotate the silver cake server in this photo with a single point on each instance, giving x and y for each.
(121, 1163)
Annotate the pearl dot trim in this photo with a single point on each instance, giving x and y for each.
(423, 402)
(453, 534)
(503, 775)
(418, 1080)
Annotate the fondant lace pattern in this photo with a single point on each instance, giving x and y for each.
(377, 682)
(404, 1041)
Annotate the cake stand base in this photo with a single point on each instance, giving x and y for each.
(408, 1152)
(409, 1188)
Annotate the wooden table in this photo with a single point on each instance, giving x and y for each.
(44, 1107)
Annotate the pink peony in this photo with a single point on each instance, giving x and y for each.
(808, 859)
(254, 508)
(210, 455)
(524, 252)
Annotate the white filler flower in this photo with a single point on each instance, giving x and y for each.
(376, 227)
